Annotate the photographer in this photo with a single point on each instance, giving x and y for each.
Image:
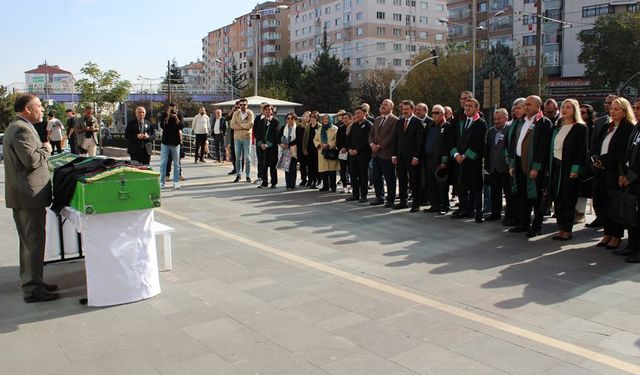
(171, 139)
(89, 132)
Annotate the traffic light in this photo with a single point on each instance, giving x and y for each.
(434, 53)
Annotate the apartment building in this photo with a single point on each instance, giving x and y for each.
(367, 34)
(231, 49)
(193, 75)
(49, 79)
(494, 22)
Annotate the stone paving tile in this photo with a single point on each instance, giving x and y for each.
(364, 363)
(212, 328)
(294, 335)
(121, 362)
(328, 351)
(205, 365)
(506, 356)
(619, 319)
(341, 321)
(383, 340)
(623, 343)
(307, 369)
(426, 357)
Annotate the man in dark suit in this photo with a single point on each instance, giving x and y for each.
(529, 159)
(467, 153)
(495, 163)
(406, 156)
(551, 110)
(218, 131)
(600, 124)
(266, 131)
(140, 133)
(382, 140)
(28, 193)
(435, 157)
(359, 155)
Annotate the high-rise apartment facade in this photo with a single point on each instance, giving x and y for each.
(367, 34)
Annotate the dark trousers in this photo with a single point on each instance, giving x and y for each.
(524, 205)
(437, 192)
(605, 184)
(57, 147)
(470, 202)
(232, 153)
(344, 173)
(304, 168)
(500, 184)
(312, 166)
(201, 140)
(408, 177)
(170, 163)
(142, 157)
(290, 176)
(73, 144)
(384, 169)
(359, 168)
(31, 227)
(218, 144)
(329, 180)
(634, 241)
(269, 162)
(565, 198)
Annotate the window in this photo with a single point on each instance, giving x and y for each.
(397, 47)
(423, 35)
(380, 46)
(410, 19)
(440, 7)
(397, 62)
(337, 21)
(482, 7)
(338, 36)
(407, 62)
(397, 17)
(359, 46)
(411, 47)
(596, 10)
(359, 16)
(359, 2)
(380, 1)
(528, 20)
(424, 20)
(411, 3)
(327, 10)
(529, 40)
(381, 61)
(359, 31)
(397, 32)
(380, 15)
(633, 8)
(380, 30)
(358, 61)
(439, 36)
(337, 7)
(397, 2)
(424, 5)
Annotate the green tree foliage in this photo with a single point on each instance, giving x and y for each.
(6, 107)
(374, 88)
(440, 84)
(281, 80)
(611, 50)
(174, 81)
(502, 63)
(102, 89)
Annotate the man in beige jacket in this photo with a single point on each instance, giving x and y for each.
(241, 123)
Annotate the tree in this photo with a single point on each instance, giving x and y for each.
(611, 50)
(6, 107)
(501, 62)
(174, 86)
(325, 85)
(281, 79)
(440, 84)
(102, 89)
(374, 88)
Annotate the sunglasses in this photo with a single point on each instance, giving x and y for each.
(243, 105)
(290, 118)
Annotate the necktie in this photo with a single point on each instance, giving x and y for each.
(611, 126)
(383, 121)
(468, 123)
(141, 126)
(406, 123)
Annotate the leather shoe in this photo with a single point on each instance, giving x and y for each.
(621, 252)
(431, 210)
(534, 232)
(597, 223)
(388, 205)
(518, 229)
(376, 202)
(493, 218)
(230, 173)
(41, 295)
(479, 219)
(351, 199)
(363, 200)
(237, 179)
(633, 259)
(50, 287)
(611, 247)
(400, 206)
(414, 209)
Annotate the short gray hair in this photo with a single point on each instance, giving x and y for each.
(519, 101)
(503, 111)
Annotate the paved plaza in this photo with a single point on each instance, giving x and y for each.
(276, 282)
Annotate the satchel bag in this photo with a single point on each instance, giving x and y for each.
(330, 153)
(623, 208)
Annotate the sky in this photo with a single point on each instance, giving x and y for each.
(132, 37)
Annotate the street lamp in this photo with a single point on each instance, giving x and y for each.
(393, 84)
(473, 53)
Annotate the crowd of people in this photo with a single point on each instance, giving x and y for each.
(537, 159)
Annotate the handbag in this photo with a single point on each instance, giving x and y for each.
(330, 153)
(623, 208)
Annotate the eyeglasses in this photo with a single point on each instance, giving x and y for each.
(290, 118)
(242, 105)
(436, 113)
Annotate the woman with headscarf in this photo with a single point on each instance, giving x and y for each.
(325, 139)
(290, 138)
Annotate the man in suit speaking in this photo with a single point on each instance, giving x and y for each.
(28, 192)
(140, 133)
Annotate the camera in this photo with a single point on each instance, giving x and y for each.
(174, 112)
